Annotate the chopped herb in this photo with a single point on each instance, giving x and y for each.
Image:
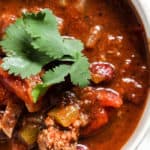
(34, 41)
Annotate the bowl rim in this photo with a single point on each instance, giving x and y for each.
(141, 7)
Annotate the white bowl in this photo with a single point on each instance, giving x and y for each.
(142, 9)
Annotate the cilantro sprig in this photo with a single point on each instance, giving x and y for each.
(34, 41)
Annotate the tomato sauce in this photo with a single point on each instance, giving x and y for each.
(120, 43)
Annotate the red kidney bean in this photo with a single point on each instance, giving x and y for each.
(101, 71)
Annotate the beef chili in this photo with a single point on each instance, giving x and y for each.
(99, 116)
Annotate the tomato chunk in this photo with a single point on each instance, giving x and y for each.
(109, 98)
(99, 118)
(21, 88)
(105, 97)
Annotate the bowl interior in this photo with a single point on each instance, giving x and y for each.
(143, 15)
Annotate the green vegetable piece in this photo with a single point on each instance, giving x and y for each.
(39, 91)
(29, 134)
(65, 116)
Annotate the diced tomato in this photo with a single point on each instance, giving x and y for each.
(105, 97)
(22, 88)
(109, 98)
(98, 119)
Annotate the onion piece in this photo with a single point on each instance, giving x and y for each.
(80, 5)
(10, 117)
(81, 147)
(63, 3)
(94, 36)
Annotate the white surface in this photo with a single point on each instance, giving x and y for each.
(146, 6)
(145, 144)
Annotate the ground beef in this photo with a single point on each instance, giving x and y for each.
(55, 138)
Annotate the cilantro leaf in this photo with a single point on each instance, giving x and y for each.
(73, 46)
(56, 75)
(21, 56)
(79, 73)
(43, 29)
(34, 41)
(16, 39)
(52, 47)
(46, 37)
(51, 77)
(42, 23)
(21, 66)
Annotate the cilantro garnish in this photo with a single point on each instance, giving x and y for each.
(34, 41)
